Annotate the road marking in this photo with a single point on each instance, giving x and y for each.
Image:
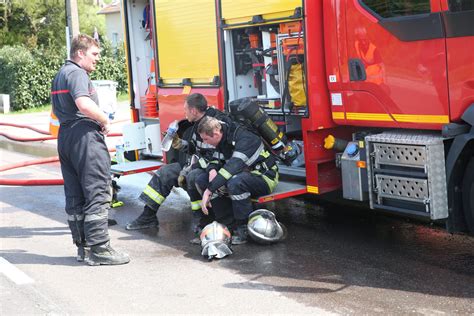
(13, 273)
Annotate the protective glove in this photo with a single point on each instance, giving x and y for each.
(182, 176)
(182, 181)
(177, 142)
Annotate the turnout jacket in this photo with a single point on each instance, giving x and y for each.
(193, 144)
(241, 150)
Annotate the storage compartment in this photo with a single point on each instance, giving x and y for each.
(267, 62)
(406, 173)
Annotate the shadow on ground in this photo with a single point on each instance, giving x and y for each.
(329, 248)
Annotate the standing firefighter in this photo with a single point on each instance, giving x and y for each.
(247, 170)
(169, 176)
(85, 161)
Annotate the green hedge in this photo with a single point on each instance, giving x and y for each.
(112, 66)
(26, 75)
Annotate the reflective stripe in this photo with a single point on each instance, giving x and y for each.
(265, 154)
(255, 155)
(114, 159)
(152, 194)
(225, 173)
(240, 197)
(204, 145)
(95, 217)
(202, 163)
(271, 183)
(218, 155)
(73, 218)
(196, 205)
(242, 156)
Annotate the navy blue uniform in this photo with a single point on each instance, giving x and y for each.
(166, 178)
(245, 168)
(84, 158)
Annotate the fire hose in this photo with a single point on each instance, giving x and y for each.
(36, 139)
(37, 182)
(33, 182)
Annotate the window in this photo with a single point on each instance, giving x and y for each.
(114, 39)
(461, 5)
(396, 8)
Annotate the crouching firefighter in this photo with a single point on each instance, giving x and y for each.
(175, 174)
(247, 170)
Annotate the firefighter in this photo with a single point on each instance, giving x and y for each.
(83, 154)
(173, 175)
(246, 170)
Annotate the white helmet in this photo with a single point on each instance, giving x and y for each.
(263, 227)
(215, 241)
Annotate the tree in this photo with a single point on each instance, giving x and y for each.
(38, 23)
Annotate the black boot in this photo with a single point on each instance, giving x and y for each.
(147, 219)
(82, 252)
(105, 255)
(239, 234)
(198, 222)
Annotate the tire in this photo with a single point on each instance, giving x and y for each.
(468, 195)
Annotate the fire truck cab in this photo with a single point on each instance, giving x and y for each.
(378, 95)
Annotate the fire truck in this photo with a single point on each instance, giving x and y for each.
(377, 95)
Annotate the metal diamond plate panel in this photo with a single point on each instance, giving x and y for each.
(400, 155)
(420, 151)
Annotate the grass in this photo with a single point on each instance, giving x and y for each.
(42, 108)
(47, 107)
(122, 97)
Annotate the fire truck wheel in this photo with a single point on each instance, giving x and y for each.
(468, 195)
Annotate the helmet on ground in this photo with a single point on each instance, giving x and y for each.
(263, 227)
(215, 241)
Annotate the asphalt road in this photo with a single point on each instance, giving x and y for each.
(336, 260)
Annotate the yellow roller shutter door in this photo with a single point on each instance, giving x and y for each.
(242, 11)
(187, 40)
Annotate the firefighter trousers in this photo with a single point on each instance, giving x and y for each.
(160, 185)
(241, 188)
(85, 166)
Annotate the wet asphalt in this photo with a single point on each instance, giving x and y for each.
(338, 258)
(343, 259)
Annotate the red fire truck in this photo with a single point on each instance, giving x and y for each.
(377, 94)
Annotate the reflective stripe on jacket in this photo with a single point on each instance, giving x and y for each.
(242, 151)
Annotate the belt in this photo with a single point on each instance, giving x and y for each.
(71, 124)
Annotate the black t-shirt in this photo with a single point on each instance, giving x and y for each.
(70, 83)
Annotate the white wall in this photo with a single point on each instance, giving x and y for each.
(114, 29)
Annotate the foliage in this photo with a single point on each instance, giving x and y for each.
(112, 66)
(37, 23)
(32, 49)
(89, 19)
(27, 73)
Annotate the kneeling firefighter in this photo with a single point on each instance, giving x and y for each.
(244, 167)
